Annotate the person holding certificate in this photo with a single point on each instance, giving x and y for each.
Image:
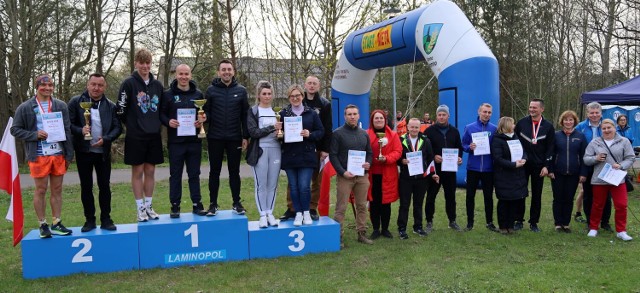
(48, 158)
(612, 152)
(566, 169)
(179, 115)
(447, 148)
(476, 141)
(417, 155)
(264, 154)
(383, 174)
(299, 158)
(510, 178)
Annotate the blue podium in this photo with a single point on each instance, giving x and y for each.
(192, 240)
(96, 251)
(288, 240)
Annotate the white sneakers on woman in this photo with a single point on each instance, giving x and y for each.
(306, 218)
(298, 219)
(624, 236)
(592, 233)
(271, 220)
(263, 222)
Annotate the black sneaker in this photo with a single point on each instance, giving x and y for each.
(88, 226)
(198, 209)
(469, 227)
(314, 215)
(386, 234)
(59, 229)
(175, 211)
(108, 225)
(492, 227)
(288, 215)
(453, 225)
(213, 210)
(534, 228)
(375, 235)
(429, 227)
(518, 226)
(403, 235)
(238, 208)
(606, 227)
(579, 218)
(419, 231)
(44, 231)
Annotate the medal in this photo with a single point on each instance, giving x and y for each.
(534, 131)
(534, 141)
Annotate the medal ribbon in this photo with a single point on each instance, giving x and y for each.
(535, 130)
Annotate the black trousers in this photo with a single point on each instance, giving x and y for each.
(564, 190)
(408, 188)
(587, 202)
(448, 183)
(380, 213)
(473, 178)
(508, 212)
(216, 149)
(86, 163)
(537, 183)
(181, 154)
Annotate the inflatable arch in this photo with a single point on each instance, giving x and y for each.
(441, 35)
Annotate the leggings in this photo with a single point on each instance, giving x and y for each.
(266, 173)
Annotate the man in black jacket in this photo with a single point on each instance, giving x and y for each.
(322, 106)
(226, 111)
(537, 137)
(95, 154)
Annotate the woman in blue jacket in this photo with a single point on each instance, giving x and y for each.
(623, 128)
(299, 158)
(566, 169)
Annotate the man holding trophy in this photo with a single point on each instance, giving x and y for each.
(94, 126)
(180, 104)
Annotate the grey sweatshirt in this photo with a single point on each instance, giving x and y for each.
(346, 138)
(620, 149)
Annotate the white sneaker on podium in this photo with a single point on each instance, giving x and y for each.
(298, 220)
(263, 222)
(306, 218)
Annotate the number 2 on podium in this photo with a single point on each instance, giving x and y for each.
(193, 231)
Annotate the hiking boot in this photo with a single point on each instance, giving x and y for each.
(142, 214)
(108, 225)
(287, 215)
(386, 234)
(59, 229)
(175, 211)
(44, 231)
(518, 226)
(238, 208)
(429, 228)
(492, 227)
(151, 213)
(314, 215)
(535, 228)
(403, 235)
(88, 226)
(199, 210)
(420, 232)
(362, 238)
(453, 225)
(271, 220)
(374, 235)
(213, 210)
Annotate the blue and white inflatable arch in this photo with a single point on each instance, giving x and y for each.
(441, 35)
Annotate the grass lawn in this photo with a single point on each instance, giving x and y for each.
(444, 261)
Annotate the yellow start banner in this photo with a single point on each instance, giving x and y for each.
(377, 40)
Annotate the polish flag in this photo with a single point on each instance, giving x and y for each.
(430, 169)
(10, 181)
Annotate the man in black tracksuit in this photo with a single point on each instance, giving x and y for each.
(226, 111)
(443, 135)
(537, 137)
(184, 149)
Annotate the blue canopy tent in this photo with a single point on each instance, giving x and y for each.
(624, 93)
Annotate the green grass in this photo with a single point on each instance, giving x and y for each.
(444, 261)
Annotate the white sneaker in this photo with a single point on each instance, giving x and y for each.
(624, 236)
(151, 213)
(592, 233)
(298, 220)
(306, 218)
(271, 220)
(263, 222)
(142, 215)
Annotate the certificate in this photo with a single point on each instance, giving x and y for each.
(53, 125)
(449, 160)
(515, 147)
(292, 129)
(611, 175)
(186, 120)
(355, 160)
(481, 139)
(416, 165)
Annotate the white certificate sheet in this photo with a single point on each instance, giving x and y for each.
(481, 139)
(612, 176)
(187, 119)
(53, 125)
(416, 166)
(449, 160)
(292, 129)
(516, 149)
(355, 161)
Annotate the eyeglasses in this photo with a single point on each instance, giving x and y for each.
(295, 96)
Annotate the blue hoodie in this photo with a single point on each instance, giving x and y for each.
(483, 163)
(585, 128)
(626, 132)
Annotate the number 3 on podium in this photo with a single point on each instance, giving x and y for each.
(297, 236)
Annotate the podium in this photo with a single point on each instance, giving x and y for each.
(192, 240)
(97, 251)
(288, 240)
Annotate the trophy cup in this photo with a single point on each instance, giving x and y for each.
(87, 117)
(200, 104)
(380, 137)
(277, 110)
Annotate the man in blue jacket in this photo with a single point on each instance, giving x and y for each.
(479, 166)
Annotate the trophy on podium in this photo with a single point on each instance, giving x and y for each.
(277, 111)
(200, 104)
(87, 117)
(380, 137)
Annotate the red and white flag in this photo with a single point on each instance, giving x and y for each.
(430, 169)
(10, 181)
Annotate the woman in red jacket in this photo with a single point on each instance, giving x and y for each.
(383, 174)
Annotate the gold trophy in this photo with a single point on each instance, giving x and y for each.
(380, 137)
(200, 104)
(87, 117)
(277, 110)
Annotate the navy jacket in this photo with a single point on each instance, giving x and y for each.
(567, 154)
(539, 154)
(302, 154)
(439, 141)
(111, 126)
(174, 99)
(510, 183)
(483, 163)
(226, 110)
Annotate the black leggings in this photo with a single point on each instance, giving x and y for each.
(380, 213)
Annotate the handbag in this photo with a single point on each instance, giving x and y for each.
(627, 179)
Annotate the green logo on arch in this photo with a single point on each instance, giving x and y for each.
(430, 36)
